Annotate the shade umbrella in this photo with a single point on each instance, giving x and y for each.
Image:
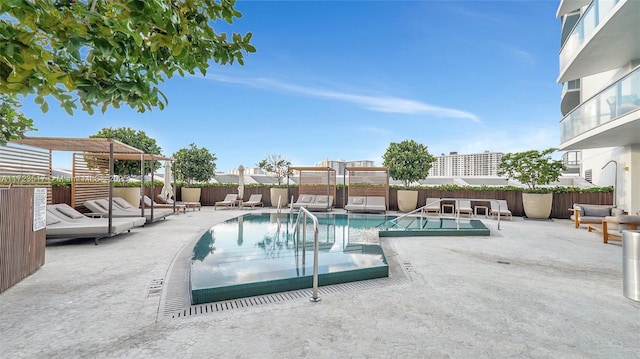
(167, 190)
(241, 182)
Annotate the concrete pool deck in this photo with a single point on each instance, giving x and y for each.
(537, 289)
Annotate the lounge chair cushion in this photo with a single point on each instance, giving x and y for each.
(305, 199)
(52, 220)
(358, 201)
(69, 212)
(122, 202)
(321, 199)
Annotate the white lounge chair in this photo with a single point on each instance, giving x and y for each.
(147, 204)
(228, 201)
(464, 206)
(254, 200)
(432, 205)
(499, 207)
(356, 203)
(304, 200)
(321, 203)
(376, 204)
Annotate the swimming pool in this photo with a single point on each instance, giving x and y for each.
(256, 254)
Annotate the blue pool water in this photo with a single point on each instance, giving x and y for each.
(257, 254)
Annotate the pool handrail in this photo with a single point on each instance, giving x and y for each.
(305, 214)
(456, 213)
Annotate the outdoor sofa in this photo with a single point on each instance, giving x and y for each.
(592, 213)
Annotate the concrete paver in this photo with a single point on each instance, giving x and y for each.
(537, 289)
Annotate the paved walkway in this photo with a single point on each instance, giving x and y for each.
(533, 289)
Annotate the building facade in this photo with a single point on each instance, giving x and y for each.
(339, 165)
(600, 100)
(477, 164)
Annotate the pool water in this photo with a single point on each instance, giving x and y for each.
(257, 254)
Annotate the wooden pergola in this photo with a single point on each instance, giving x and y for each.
(316, 181)
(92, 173)
(368, 181)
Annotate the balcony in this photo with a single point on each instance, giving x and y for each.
(567, 6)
(570, 97)
(610, 118)
(605, 38)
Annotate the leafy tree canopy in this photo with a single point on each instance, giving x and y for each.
(277, 166)
(532, 168)
(194, 164)
(137, 139)
(13, 124)
(105, 52)
(408, 161)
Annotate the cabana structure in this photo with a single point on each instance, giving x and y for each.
(27, 162)
(318, 183)
(367, 183)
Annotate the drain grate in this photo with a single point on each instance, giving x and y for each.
(155, 288)
(302, 294)
(409, 267)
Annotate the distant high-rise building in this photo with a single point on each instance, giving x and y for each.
(339, 165)
(477, 164)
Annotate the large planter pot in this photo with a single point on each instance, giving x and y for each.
(537, 205)
(130, 194)
(190, 194)
(279, 192)
(407, 200)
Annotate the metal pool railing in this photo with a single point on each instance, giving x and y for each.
(456, 214)
(305, 214)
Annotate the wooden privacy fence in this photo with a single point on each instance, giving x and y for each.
(21, 249)
(561, 201)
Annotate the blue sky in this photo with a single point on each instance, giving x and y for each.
(343, 79)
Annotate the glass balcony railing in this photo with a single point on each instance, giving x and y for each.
(615, 101)
(592, 17)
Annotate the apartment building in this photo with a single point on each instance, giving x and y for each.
(477, 164)
(600, 100)
(339, 165)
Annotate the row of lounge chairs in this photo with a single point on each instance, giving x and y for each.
(313, 202)
(122, 208)
(231, 200)
(63, 221)
(366, 204)
(497, 207)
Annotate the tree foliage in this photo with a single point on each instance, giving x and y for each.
(105, 52)
(532, 168)
(13, 124)
(137, 139)
(408, 161)
(194, 164)
(277, 166)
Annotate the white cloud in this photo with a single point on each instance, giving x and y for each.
(379, 103)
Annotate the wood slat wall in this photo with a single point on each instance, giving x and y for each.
(90, 179)
(21, 249)
(561, 201)
(25, 167)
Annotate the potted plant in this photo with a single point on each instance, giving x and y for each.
(194, 165)
(278, 167)
(533, 168)
(408, 161)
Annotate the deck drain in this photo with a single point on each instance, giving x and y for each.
(155, 288)
(409, 267)
(302, 294)
(504, 262)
